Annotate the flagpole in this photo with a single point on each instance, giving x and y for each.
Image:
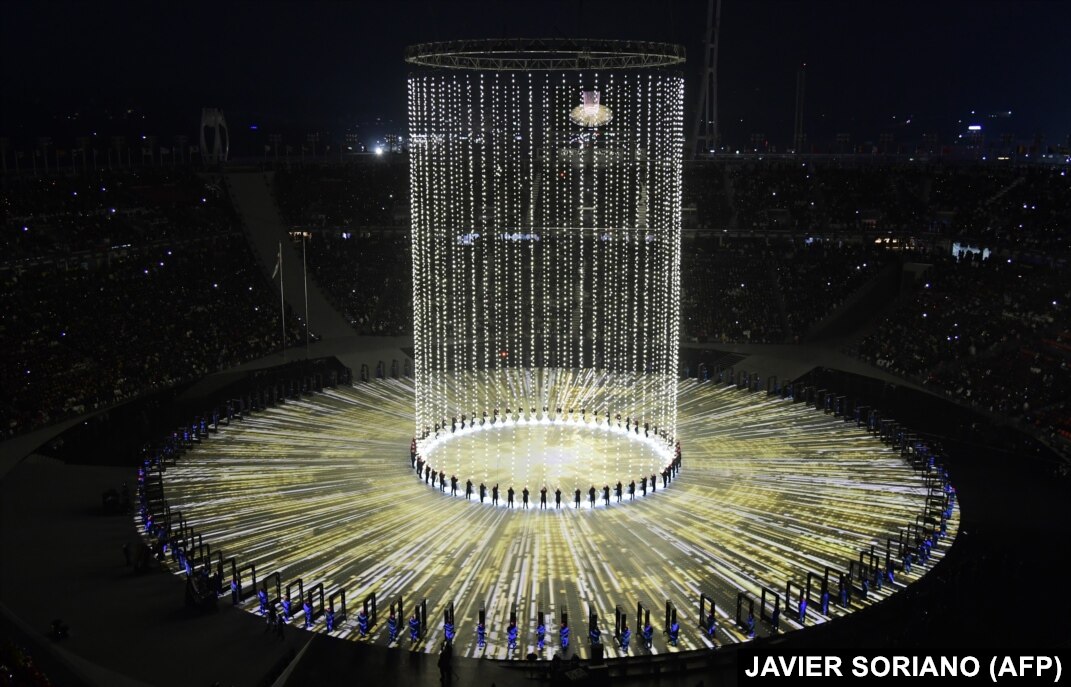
(282, 303)
(305, 275)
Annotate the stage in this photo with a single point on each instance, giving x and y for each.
(322, 489)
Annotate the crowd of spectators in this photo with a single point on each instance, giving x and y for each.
(367, 275)
(705, 190)
(365, 193)
(60, 216)
(767, 290)
(356, 217)
(992, 333)
(730, 292)
(817, 276)
(104, 274)
(772, 195)
(1004, 207)
(158, 287)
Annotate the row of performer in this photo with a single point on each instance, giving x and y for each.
(279, 614)
(510, 415)
(438, 478)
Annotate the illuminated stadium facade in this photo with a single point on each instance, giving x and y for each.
(546, 207)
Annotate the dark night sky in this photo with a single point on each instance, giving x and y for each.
(305, 65)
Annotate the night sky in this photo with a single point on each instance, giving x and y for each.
(303, 66)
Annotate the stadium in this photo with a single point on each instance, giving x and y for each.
(547, 382)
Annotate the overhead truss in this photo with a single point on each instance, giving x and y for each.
(544, 54)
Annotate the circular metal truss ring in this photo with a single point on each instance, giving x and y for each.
(545, 54)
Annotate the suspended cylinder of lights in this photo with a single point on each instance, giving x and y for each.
(546, 213)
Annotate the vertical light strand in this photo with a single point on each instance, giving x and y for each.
(531, 319)
(642, 222)
(485, 244)
(438, 202)
(472, 228)
(456, 195)
(429, 285)
(678, 170)
(626, 185)
(415, 240)
(507, 276)
(656, 225)
(624, 201)
(560, 237)
(582, 226)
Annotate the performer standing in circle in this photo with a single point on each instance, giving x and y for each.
(392, 628)
(557, 497)
(543, 498)
(511, 637)
(524, 497)
(414, 628)
(494, 495)
(509, 497)
(577, 496)
(591, 496)
(483, 491)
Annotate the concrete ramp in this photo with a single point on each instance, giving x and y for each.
(251, 194)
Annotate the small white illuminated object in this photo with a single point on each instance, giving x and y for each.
(590, 112)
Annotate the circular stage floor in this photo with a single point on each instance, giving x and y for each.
(322, 489)
(554, 455)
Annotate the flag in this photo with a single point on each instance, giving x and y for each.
(278, 261)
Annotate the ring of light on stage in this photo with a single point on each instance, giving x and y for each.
(545, 183)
